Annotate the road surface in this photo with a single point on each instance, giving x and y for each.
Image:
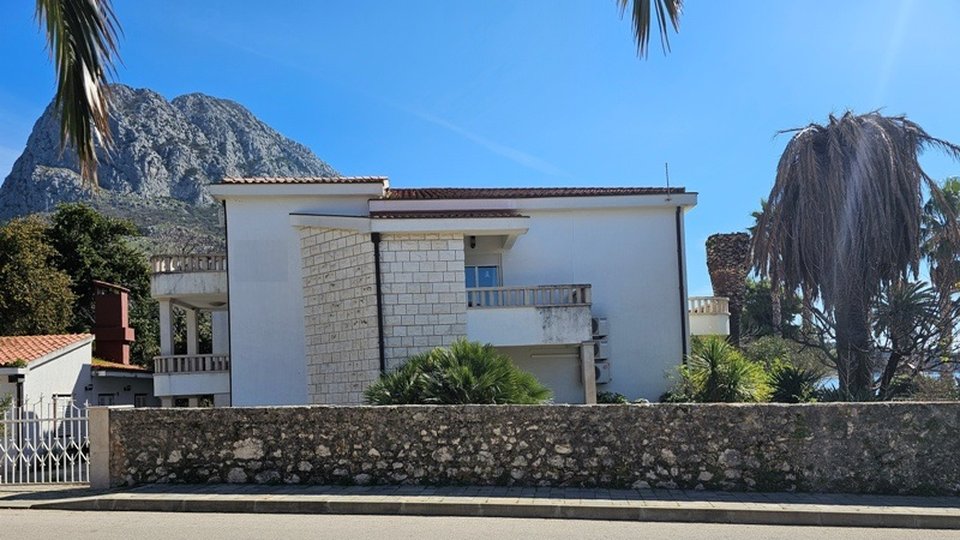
(46, 524)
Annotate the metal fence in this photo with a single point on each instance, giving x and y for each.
(45, 442)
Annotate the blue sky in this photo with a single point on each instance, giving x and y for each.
(533, 92)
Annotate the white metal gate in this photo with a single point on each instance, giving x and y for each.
(44, 442)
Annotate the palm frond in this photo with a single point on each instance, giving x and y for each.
(666, 12)
(82, 39)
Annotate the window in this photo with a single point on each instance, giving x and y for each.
(104, 399)
(482, 276)
(181, 402)
(139, 400)
(205, 401)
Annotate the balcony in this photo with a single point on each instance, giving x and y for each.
(191, 374)
(535, 315)
(709, 315)
(194, 281)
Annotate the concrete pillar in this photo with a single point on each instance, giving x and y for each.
(192, 341)
(166, 327)
(99, 431)
(588, 373)
(221, 332)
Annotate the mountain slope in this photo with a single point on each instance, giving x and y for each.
(165, 155)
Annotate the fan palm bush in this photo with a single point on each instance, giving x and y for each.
(794, 384)
(467, 372)
(717, 372)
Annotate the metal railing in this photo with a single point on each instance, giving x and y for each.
(536, 296)
(708, 305)
(178, 264)
(44, 442)
(191, 363)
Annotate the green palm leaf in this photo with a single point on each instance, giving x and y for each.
(82, 38)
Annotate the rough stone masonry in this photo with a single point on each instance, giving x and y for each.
(859, 448)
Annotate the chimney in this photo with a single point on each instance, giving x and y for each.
(111, 327)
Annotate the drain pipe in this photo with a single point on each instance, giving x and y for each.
(682, 285)
(375, 238)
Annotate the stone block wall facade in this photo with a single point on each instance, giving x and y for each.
(424, 293)
(340, 314)
(843, 447)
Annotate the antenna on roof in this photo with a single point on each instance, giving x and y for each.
(666, 172)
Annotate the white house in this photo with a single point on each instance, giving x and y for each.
(61, 368)
(332, 280)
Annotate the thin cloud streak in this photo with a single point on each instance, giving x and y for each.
(517, 156)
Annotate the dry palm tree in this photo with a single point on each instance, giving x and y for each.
(666, 12)
(728, 261)
(82, 37)
(843, 220)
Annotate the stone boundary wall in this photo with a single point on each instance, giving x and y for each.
(340, 314)
(859, 448)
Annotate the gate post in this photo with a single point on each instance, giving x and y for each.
(99, 426)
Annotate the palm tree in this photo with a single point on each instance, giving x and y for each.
(82, 37)
(844, 220)
(728, 261)
(667, 13)
(941, 247)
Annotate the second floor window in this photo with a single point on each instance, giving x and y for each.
(482, 276)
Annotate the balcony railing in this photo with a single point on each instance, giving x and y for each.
(708, 305)
(537, 296)
(178, 264)
(191, 363)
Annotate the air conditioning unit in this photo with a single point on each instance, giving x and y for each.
(602, 372)
(599, 327)
(601, 350)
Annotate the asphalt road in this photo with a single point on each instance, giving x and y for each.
(46, 524)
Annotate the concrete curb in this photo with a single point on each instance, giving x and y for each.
(733, 513)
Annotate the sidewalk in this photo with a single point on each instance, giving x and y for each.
(568, 503)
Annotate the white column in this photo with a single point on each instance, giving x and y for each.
(166, 327)
(221, 332)
(588, 373)
(191, 320)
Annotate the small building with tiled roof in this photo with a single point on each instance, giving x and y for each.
(333, 281)
(61, 367)
(45, 367)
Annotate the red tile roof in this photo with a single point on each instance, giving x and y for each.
(103, 364)
(30, 348)
(444, 214)
(304, 180)
(524, 193)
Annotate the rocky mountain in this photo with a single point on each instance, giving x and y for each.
(165, 154)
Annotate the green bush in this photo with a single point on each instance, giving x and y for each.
(924, 388)
(611, 398)
(794, 384)
(717, 372)
(467, 372)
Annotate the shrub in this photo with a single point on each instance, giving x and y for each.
(717, 372)
(794, 384)
(467, 372)
(924, 388)
(611, 397)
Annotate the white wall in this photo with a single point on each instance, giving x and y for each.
(557, 368)
(115, 385)
(519, 326)
(67, 374)
(629, 256)
(266, 295)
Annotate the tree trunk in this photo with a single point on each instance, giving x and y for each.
(854, 368)
(806, 313)
(776, 307)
